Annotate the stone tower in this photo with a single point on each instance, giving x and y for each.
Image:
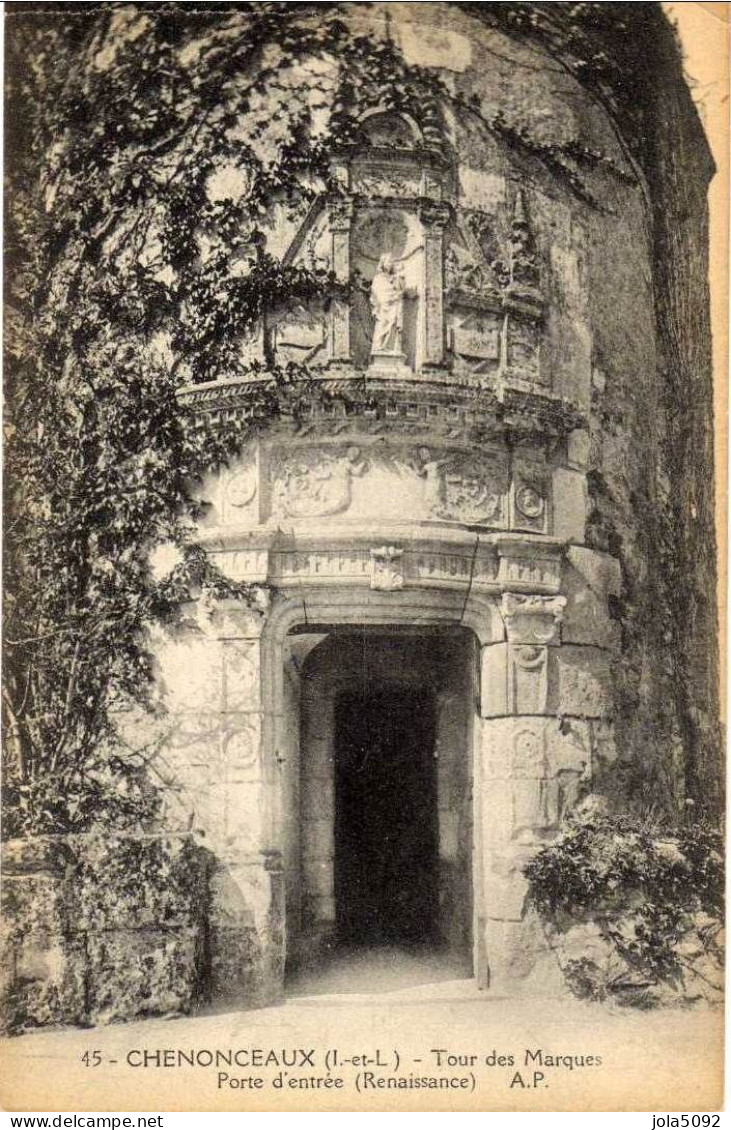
(485, 545)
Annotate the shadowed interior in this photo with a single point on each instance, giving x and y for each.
(386, 830)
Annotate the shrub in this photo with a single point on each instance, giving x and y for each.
(634, 912)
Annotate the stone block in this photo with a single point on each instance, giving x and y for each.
(142, 973)
(242, 674)
(496, 744)
(191, 674)
(448, 834)
(43, 981)
(318, 878)
(317, 839)
(589, 579)
(520, 959)
(242, 895)
(245, 809)
(579, 681)
(570, 504)
(494, 680)
(505, 895)
(34, 903)
(578, 449)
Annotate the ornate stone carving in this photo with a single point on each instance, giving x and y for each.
(524, 263)
(387, 568)
(315, 483)
(464, 488)
(388, 290)
(241, 749)
(532, 619)
(527, 679)
(434, 215)
(529, 502)
(481, 342)
(327, 564)
(340, 213)
(529, 753)
(385, 181)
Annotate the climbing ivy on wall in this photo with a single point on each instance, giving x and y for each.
(151, 152)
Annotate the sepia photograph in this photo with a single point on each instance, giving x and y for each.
(364, 544)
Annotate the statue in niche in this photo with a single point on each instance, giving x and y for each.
(388, 290)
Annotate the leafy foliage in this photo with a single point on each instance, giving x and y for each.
(153, 152)
(129, 277)
(654, 897)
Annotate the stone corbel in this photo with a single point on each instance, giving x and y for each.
(533, 619)
(387, 571)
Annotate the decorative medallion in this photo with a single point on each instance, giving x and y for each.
(241, 488)
(529, 502)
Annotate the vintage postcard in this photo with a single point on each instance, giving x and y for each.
(365, 556)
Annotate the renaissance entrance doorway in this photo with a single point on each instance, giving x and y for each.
(386, 824)
(379, 796)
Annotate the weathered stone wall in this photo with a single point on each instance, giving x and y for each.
(533, 465)
(96, 930)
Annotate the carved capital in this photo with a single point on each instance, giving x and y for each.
(532, 619)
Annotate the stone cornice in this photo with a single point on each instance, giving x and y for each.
(442, 400)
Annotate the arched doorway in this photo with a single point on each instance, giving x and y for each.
(379, 811)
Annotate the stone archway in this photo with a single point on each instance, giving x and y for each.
(528, 765)
(379, 803)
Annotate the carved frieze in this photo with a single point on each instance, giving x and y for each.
(374, 181)
(323, 564)
(314, 482)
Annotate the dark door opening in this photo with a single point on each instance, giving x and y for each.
(386, 831)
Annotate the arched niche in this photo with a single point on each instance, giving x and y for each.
(390, 129)
(396, 233)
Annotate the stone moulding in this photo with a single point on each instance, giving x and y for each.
(353, 556)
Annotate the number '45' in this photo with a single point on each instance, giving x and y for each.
(91, 1059)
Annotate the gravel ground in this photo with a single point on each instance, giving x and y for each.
(392, 1018)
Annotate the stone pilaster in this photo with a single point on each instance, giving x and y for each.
(532, 768)
(434, 219)
(340, 217)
